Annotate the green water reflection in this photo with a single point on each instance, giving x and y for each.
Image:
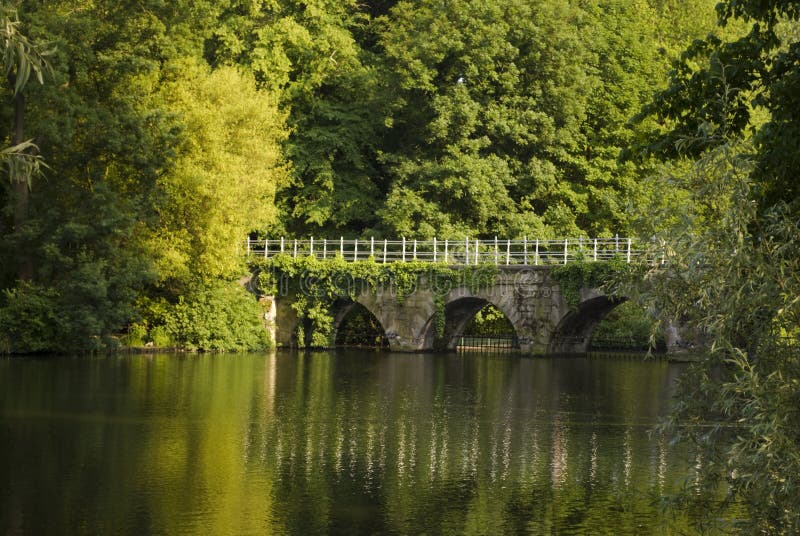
(347, 443)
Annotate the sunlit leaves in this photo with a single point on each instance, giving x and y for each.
(159, 166)
(742, 82)
(223, 183)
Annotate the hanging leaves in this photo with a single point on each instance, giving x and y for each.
(21, 57)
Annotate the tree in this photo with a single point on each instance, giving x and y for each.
(225, 173)
(123, 128)
(732, 274)
(307, 54)
(735, 87)
(21, 58)
(386, 140)
(508, 118)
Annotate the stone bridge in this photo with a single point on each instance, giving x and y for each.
(523, 289)
(527, 295)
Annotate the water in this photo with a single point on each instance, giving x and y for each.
(336, 443)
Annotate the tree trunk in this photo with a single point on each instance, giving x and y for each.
(21, 192)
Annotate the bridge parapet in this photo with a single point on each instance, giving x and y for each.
(468, 251)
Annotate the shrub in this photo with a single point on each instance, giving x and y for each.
(211, 316)
(29, 319)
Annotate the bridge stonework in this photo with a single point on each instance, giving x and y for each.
(529, 297)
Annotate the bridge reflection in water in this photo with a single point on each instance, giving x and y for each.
(443, 443)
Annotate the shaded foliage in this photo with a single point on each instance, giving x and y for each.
(216, 316)
(489, 321)
(361, 328)
(628, 326)
(732, 266)
(121, 133)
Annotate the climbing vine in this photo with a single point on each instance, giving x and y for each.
(574, 276)
(439, 323)
(314, 286)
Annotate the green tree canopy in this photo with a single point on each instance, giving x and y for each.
(509, 117)
(173, 129)
(227, 169)
(160, 166)
(739, 84)
(307, 54)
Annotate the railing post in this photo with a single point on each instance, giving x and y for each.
(525, 250)
(445, 251)
(281, 244)
(434, 249)
(466, 250)
(294, 255)
(266, 248)
(404, 249)
(372, 246)
(384, 250)
(341, 246)
(324, 248)
(355, 249)
(496, 252)
(508, 252)
(594, 255)
(629, 251)
(580, 243)
(536, 254)
(248, 247)
(311, 246)
(477, 245)
(616, 244)
(566, 246)
(415, 249)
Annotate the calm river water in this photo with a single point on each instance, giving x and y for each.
(334, 443)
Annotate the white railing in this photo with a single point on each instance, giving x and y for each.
(523, 252)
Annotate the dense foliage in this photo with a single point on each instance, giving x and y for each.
(143, 141)
(735, 279)
(151, 177)
(628, 326)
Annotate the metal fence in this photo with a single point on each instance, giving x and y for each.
(466, 252)
(487, 343)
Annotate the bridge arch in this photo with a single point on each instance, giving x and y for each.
(574, 332)
(347, 310)
(459, 310)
